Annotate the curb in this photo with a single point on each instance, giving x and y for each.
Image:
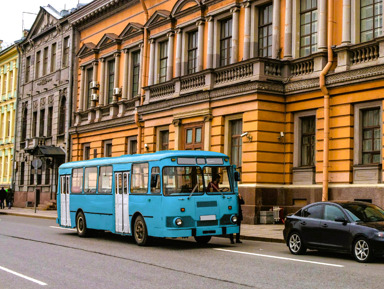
(27, 215)
(262, 239)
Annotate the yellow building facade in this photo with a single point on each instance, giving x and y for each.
(291, 90)
(8, 96)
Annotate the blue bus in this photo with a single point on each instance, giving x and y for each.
(162, 194)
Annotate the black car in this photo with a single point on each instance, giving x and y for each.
(351, 227)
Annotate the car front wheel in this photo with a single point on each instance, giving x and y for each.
(295, 244)
(362, 250)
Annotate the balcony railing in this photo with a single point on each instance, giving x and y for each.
(366, 53)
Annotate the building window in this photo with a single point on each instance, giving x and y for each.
(66, 52)
(53, 57)
(192, 52)
(236, 129)
(86, 151)
(89, 77)
(9, 126)
(62, 115)
(10, 81)
(308, 27)
(110, 79)
(38, 60)
(108, 148)
(371, 136)
(371, 19)
(225, 42)
(27, 68)
(131, 145)
(193, 136)
(164, 140)
(47, 171)
(49, 121)
(265, 31)
(308, 137)
(22, 169)
(34, 124)
(163, 61)
(135, 72)
(42, 122)
(4, 88)
(24, 123)
(45, 61)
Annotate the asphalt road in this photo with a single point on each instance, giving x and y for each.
(35, 253)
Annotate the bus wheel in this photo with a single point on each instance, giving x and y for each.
(81, 225)
(202, 239)
(140, 232)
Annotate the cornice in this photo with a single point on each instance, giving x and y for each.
(96, 126)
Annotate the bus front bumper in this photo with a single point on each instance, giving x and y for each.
(202, 231)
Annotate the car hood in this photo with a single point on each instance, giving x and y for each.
(376, 225)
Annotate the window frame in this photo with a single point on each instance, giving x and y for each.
(106, 145)
(162, 60)
(159, 131)
(86, 149)
(129, 145)
(225, 39)
(192, 37)
(373, 17)
(65, 58)
(312, 33)
(261, 27)
(134, 192)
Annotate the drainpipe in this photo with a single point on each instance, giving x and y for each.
(145, 52)
(139, 128)
(325, 91)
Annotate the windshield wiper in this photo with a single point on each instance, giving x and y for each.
(194, 189)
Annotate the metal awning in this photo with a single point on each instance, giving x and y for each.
(50, 151)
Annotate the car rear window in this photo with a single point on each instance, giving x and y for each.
(315, 212)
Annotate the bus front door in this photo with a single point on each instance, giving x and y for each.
(65, 217)
(122, 203)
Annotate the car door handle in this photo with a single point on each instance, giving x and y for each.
(324, 226)
(303, 223)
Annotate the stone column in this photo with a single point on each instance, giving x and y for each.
(210, 42)
(346, 28)
(125, 74)
(141, 45)
(152, 60)
(200, 45)
(179, 48)
(82, 85)
(276, 29)
(170, 36)
(102, 82)
(288, 30)
(247, 30)
(322, 32)
(235, 34)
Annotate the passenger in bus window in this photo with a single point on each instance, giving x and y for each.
(214, 185)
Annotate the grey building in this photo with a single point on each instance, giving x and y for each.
(43, 110)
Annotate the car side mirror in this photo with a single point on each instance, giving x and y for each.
(341, 220)
(237, 176)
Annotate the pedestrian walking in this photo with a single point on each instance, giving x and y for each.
(9, 198)
(239, 219)
(3, 195)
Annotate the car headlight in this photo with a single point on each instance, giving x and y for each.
(234, 219)
(178, 222)
(380, 234)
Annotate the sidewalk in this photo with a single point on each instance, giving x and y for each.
(267, 233)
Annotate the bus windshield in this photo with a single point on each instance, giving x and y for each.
(192, 180)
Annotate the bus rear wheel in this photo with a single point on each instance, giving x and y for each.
(81, 225)
(202, 239)
(140, 232)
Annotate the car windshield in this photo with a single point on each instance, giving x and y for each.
(192, 180)
(364, 212)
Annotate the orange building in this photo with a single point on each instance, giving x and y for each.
(291, 90)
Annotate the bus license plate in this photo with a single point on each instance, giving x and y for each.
(208, 218)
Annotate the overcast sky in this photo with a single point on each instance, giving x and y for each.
(15, 13)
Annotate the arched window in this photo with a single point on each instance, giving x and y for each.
(62, 114)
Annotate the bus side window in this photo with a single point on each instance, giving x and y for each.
(105, 180)
(77, 181)
(139, 178)
(155, 180)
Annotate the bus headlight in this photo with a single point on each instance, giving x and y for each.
(178, 222)
(234, 219)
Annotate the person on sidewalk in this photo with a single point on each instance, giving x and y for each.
(3, 195)
(9, 198)
(239, 219)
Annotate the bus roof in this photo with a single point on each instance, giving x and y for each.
(141, 158)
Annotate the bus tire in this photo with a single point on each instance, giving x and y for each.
(140, 232)
(81, 225)
(202, 239)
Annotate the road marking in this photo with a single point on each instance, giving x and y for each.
(68, 229)
(23, 276)
(281, 258)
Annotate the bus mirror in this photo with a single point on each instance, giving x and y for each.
(154, 179)
(237, 176)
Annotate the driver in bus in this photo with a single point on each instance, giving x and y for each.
(214, 185)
